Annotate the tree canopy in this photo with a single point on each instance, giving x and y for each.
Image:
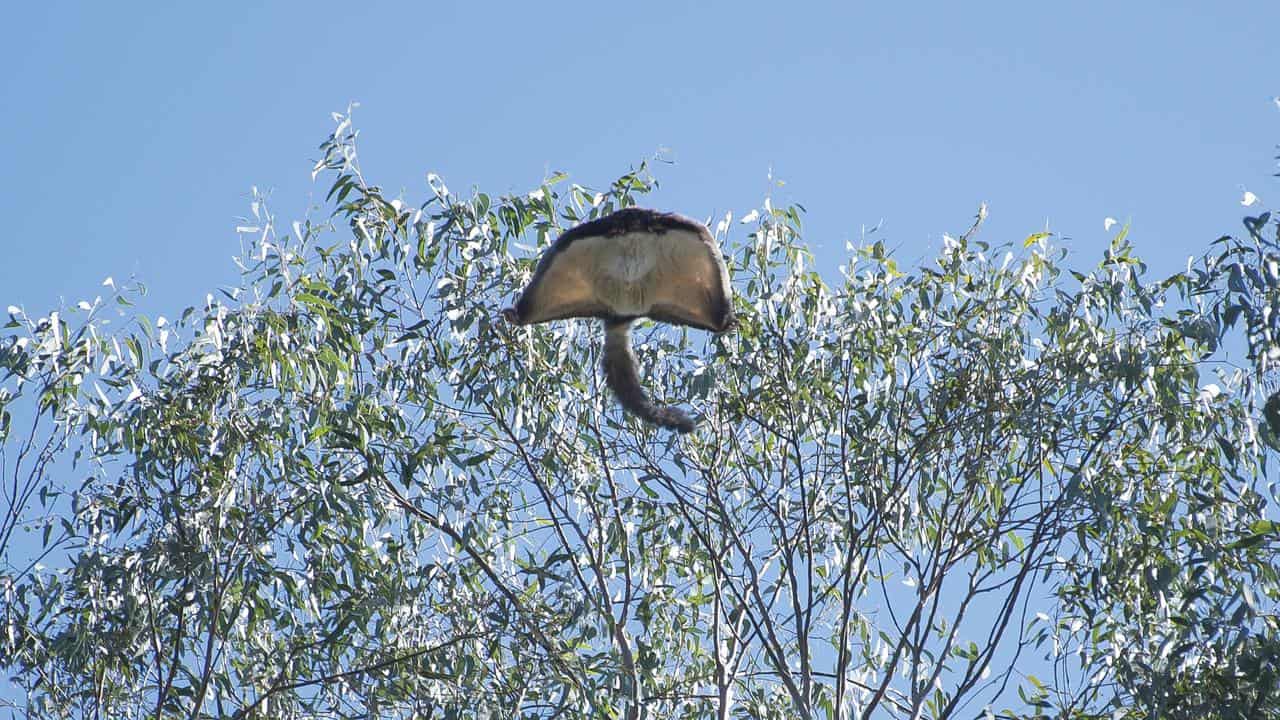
(987, 486)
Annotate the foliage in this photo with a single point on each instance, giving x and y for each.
(344, 488)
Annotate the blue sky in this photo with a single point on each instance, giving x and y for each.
(132, 137)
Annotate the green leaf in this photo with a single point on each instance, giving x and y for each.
(1034, 238)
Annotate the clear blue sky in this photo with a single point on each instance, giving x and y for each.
(132, 137)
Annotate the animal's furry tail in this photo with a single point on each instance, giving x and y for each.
(624, 380)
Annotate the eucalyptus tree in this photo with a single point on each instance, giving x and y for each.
(985, 486)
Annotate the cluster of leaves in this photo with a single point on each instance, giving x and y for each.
(347, 489)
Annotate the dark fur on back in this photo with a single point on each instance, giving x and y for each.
(623, 379)
(632, 219)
